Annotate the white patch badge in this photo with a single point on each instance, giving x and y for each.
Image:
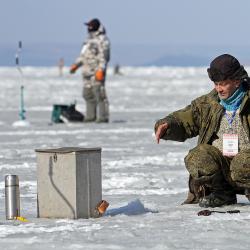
(230, 144)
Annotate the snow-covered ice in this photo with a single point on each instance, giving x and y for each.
(144, 183)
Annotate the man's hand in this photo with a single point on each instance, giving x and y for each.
(73, 68)
(99, 75)
(161, 131)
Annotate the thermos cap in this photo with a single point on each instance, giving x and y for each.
(11, 180)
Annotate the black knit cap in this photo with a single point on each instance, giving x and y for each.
(93, 25)
(225, 67)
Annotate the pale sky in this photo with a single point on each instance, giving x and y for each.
(175, 24)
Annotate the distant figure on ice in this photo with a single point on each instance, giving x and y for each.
(60, 66)
(94, 58)
(117, 70)
(219, 166)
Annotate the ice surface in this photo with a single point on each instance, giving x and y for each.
(144, 183)
(22, 123)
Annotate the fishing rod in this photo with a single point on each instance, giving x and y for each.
(208, 212)
(22, 110)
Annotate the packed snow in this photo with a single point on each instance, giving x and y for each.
(144, 183)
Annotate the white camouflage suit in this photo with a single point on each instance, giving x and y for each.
(95, 54)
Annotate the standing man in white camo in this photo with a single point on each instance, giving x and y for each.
(94, 58)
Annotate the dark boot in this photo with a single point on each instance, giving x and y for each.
(221, 193)
(196, 191)
(247, 193)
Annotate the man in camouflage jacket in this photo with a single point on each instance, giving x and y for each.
(219, 167)
(94, 58)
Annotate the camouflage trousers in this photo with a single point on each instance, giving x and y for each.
(97, 106)
(205, 160)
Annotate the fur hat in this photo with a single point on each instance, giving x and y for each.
(226, 67)
(93, 25)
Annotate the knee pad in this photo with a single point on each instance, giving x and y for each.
(240, 169)
(88, 94)
(202, 161)
(102, 95)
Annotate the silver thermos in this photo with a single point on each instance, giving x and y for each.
(12, 197)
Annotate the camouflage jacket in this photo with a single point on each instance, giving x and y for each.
(95, 52)
(202, 118)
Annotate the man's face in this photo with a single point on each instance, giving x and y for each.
(226, 88)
